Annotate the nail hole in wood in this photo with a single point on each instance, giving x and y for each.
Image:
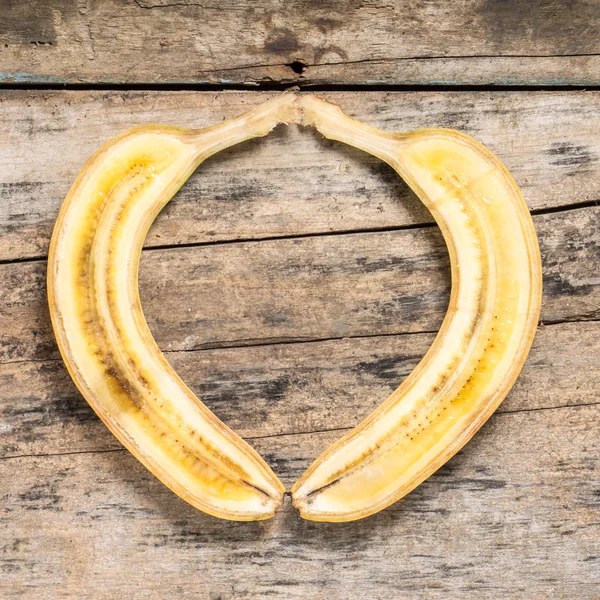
(298, 67)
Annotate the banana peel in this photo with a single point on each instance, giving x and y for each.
(115, 362)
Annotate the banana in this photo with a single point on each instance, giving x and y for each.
(484, 339)
(116, 364)
(103, 336)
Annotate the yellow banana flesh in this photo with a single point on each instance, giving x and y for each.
(113, 359)
(102, 333)
(484, 339)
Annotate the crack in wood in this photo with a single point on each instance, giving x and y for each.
(317, 234)
(148, 6)
(295, 341)
(298, 433)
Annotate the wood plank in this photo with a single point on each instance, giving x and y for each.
(183, 41)
(286, 389)
(291, 182)
(514, 515)
(307, 288)
(576, 70)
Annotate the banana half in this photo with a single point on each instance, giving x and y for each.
(116, 364)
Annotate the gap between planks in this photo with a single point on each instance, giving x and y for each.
(295, 85)
(317, 234)
(294, 341)
(294, 433)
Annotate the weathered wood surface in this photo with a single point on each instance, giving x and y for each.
(286, 389)
(514, 515)
(549, 141)
(307, 288)
(550, 42)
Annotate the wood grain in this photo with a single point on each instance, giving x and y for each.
(307, 288)
(359, 276)
(292, 182)
(514, 515)
(285, 389)
(369, 42)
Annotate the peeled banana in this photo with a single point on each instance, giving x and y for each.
(103, 336)
(484, 339)
(113, 359)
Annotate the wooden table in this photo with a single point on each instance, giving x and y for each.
(293, 282)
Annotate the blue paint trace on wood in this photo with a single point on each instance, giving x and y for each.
(30, 78)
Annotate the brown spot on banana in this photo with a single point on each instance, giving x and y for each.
(113, 359)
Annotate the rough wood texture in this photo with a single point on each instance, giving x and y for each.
(285, 389)
(307, 288)
(551, 42)
(514, 515)
(549, 141)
